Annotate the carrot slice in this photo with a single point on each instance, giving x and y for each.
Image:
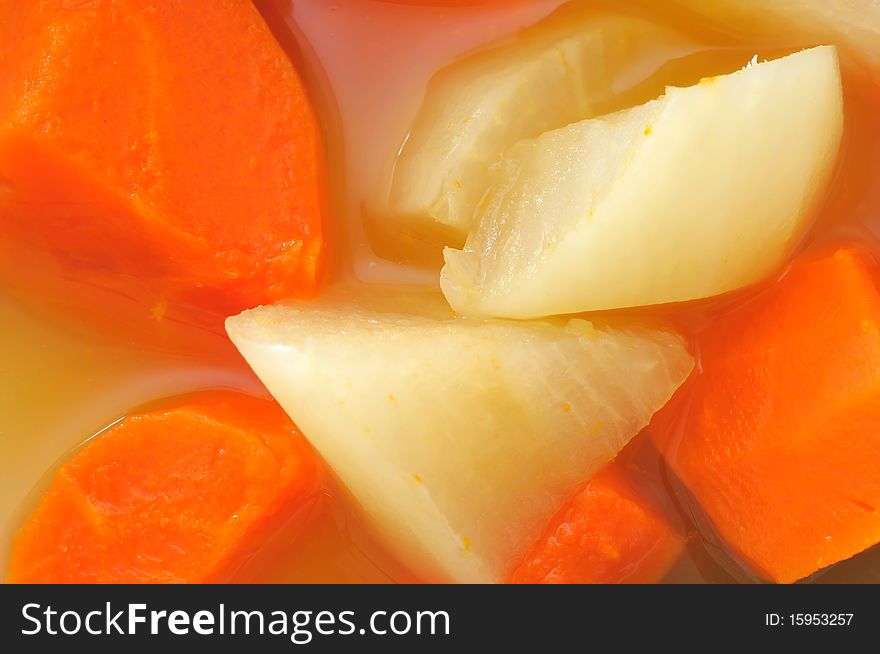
(781, 441)
(608, 533)
(180, 494)
(170, 140)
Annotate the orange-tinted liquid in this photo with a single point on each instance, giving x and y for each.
(76, 358)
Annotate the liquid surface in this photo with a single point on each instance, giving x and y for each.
(64, 377)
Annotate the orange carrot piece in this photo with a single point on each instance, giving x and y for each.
(782, 437)
(171, 140)
(181, 494)
(608, 533)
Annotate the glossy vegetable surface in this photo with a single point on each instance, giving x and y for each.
(178, 494)
(780, 443)
(192, 157)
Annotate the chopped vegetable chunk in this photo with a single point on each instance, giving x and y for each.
(855, 23)
(169, 140)
(460, 438)
(181, 494)
(476, 108)
(607, 533)
(700, 192)
(782, 438)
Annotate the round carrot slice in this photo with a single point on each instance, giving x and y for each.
(180, 494)
(174, 142)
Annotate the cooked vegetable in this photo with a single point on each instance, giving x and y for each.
(608, 533)
(475, 108)
(851, 22)
(700, 192)
(180, 494)
(175, 143)
(460, 438)
(782, 437)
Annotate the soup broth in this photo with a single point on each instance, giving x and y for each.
(77, 358)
